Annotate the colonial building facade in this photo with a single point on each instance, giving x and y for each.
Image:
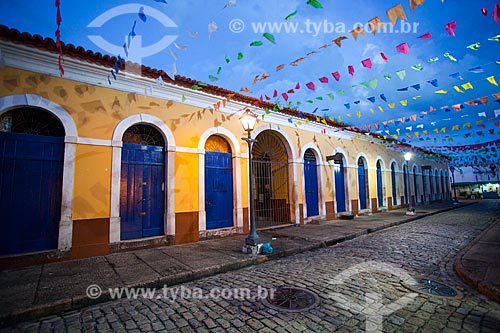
(88, 167)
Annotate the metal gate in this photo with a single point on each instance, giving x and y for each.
(218, 190)
(338, 169)
(380, 195)
(31, 169)
(311, 183)
(362, 184)
(271, 190)
(142, 186)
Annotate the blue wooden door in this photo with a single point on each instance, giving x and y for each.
(142, 192)
(362, 184)
(338, 170)
(311, 183)
(218, 190)
(380, 195)
(393, 181)
(31, 168)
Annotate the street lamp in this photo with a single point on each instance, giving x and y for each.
(452, 169)
(410, 210)
(248, 120)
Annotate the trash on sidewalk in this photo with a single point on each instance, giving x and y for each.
(251, 249)
(266, 249)
(411, 212)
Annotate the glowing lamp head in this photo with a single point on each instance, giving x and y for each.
(248, 120)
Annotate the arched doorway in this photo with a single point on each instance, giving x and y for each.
(270, 170)
(142, 183)
(218, 183)
(393, 181)
(362, 184)
(31, 177)
(380, 195)
(311, 183)
(339, 172)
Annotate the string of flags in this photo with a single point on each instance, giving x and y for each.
(367, 63)
(58, 36)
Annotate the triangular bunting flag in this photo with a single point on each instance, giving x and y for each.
(401, 74)
(434, 82)
(367, 63)
(396, 12)
(374, 24)
(457, 76)
(350, 69)
(467, 86)
(491, 79)
(356, 31)
(403, 48)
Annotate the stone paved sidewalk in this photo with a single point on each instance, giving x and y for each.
(51, 288)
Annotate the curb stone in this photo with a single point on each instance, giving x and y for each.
(472, 279)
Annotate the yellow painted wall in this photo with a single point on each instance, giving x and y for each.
(97, 110)
(92, 182)
(186, 182)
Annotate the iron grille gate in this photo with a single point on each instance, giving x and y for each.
(271, 193)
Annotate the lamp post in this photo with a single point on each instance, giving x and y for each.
(452, 169)
(248, 120)
(410, 210)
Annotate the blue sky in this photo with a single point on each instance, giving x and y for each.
(202, 56)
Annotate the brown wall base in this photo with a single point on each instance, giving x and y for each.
(374, 205)
(389, 203)
(186, 227)
(90, 238)
(301, 213)
(354, 204)
(330, 210)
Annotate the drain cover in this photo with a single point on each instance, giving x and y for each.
(433, 288)
(291, 299)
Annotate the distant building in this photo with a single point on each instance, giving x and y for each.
(88, 167)
(478, 182)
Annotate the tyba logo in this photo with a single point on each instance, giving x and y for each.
(134, 47)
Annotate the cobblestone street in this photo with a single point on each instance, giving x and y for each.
(355, 281)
